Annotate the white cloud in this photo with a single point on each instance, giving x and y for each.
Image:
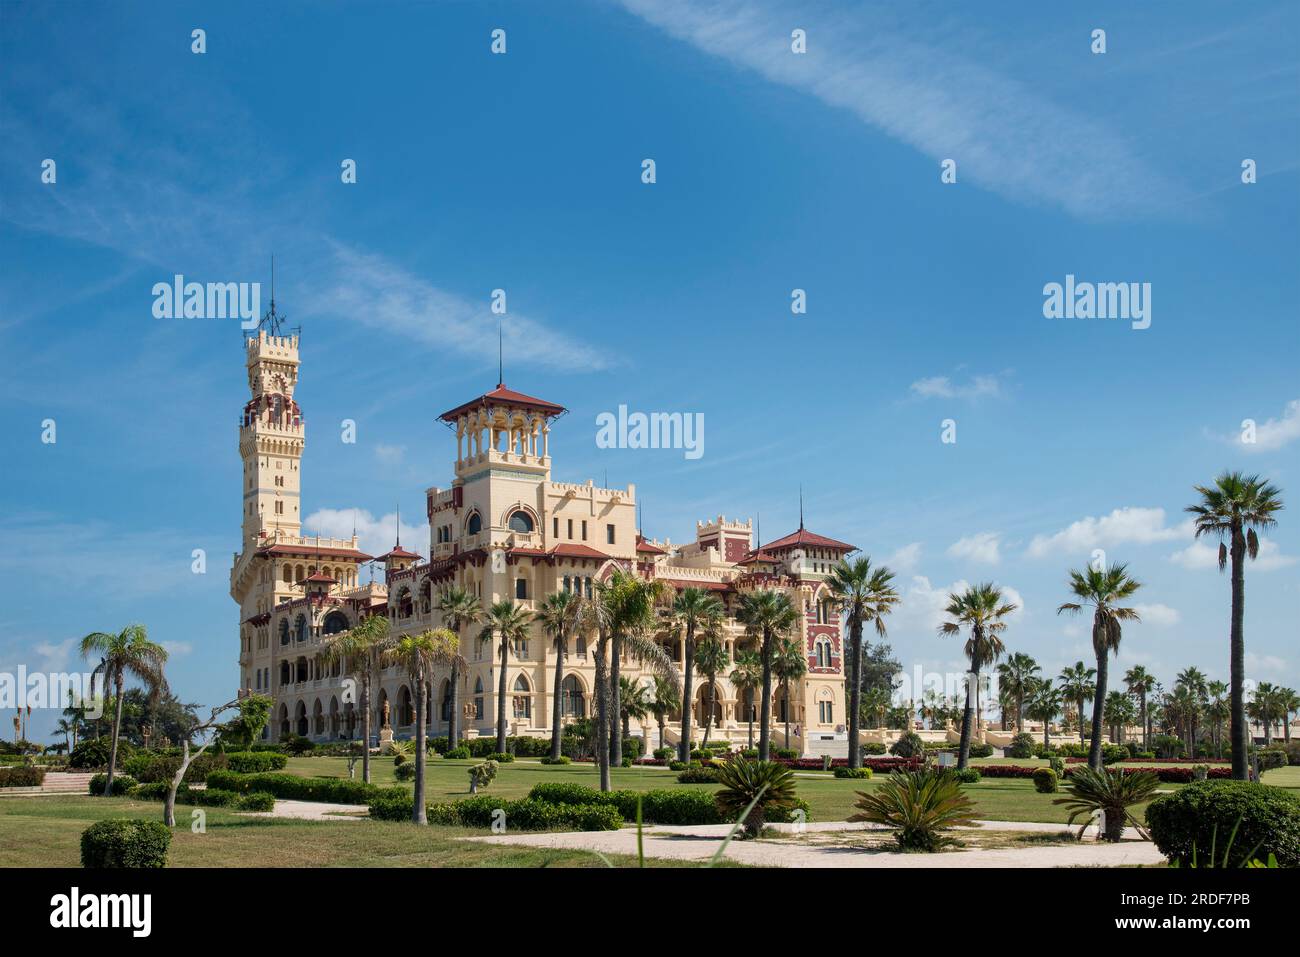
(1123, 526)
(923, 604)
(390, 454)
(942, 387)
(1269, 666)
(905, 559)
(376, 535)
(1273, 434)
(1162, 616)
(932, 95)
(981, 547)
(1202, 554)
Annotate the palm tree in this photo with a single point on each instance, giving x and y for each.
(1102, 588)
(128, 652)
(1216, 710)
(982, 609)
(862, 594)
(69, 730)
(664, 702)
(1265, 708)
(746, 678)
(418, 656)
(360, 650)
(1043, 704)
(458, 608)
(1118, 713)
(558, 618)
(634, 702)
(1140, 682)
(1289, 702)
(1192, 680)
(1078, 685)
(636, 601)
(789, 665)
(1233, 508)
(1018, 674)
(711, 659)
(875, 704)
(510, 622)
(691, 609)
(767, 615)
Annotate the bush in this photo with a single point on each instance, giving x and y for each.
(147, 766)
(461, 753)
(693, 775)
(678, 765)
(919, 806)
(529, 814)
(1168, 746)
(788, 753)
(1202, 815)
(908, 745)
(1022, 745)
(1145, 756)
(1046, 781)
(297, 745)
(1113, 753)
(121, 784)
(760, 786)
(295, 788)
(966, 775)
(1271, 758)
(253, 762)
(405, 772)
(981, 750)
(663, 754)
(256, 801)
(847, 772)
(562, 759)
(873, 747)
(93, 753)
(501, 757)
(632, 748)
(125, 843)
(22, 777)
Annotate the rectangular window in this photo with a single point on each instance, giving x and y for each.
(825, 710)
(521, 587)
(609, 534)
(556, 528)
(570, 528)
(584, 529)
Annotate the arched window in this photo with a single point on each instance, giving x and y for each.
(571, 702)
(405, 709)
(446, 700)
(823, 653)
(523, 700)
(335, 622)
(478, 698)
(405, 605)
(521, 521)
(284, 631)
(300, 628)
(474, 525)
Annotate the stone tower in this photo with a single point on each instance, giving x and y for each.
(271, 439)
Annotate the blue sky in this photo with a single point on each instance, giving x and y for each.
(775, 171)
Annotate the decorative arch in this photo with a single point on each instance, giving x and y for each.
(318, 718)
(405, 707)
(473, 523)
(573, 696)
(300, 719)
(528, 520)
(523, 697)
(334, 623)
(284, 720)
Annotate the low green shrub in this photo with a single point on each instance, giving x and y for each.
(461, 753)
(562, 759)
(256, 801)
(1202, 815)
(297, 744)
(121, 784)
(528, 814)
(698, 776)
(1168, 746)
(22, 776)
(1023, 745)
(405, 772)
(967, 775)
(1271, 758)
(255, 762)
(908, 745)
(981, 750)
(847, 772)
(125, 843)
(293, 787)
(1046, 781)
(149, 766)
(663, 754)
(501, 757)
(1113, 753)
(873, 747)
(789, 754)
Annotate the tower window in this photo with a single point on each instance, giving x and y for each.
(584, 529)
(609, 534)
(570, 528)
(521, 522)
(555, 528)
(521, 588)
(474, 525)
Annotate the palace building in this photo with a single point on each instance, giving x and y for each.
(503, 529)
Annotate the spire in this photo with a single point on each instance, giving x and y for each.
(501, 355)
(758, 532)
(399, 525)
(800, 506)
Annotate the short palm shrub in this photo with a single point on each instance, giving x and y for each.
(1023, 745)
(752, 789)
(461, 753)
(481, 775)
(701, 775)
(909, 745)
(562, 759)
(121, 784)
(919, 806)
(125, 843)
(1046, 781)
(847, 772)
(1237, 820)
(1111, 791)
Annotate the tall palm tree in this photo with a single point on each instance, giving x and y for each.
(1233, 508)
(1289, 702)
(634, 702)
(458, 608)
(558, 617)
(747, 678)
(1216, 710)
(862, 594)
(1265, 708)
(1194, 682)
(129, 652)
(711, 659)
(664, 701)
(1140, 682)
(417, 656)
(1043, 704)
(637, 599)
(1118, 713)
(510, 623)
(767, 615)
(1018, 675)
(69, 731)
(360, 650)
(789, 665)
(691, 609)
(983, 610)
(1102, 588)
(876, 701)
(1078, 684)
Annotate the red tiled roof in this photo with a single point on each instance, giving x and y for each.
(503, 396)
(308, 551)
(805, 537)
(759, 556)
(643, 546)
(322, 577)
(528, 552)
(397, 552)
(577, 550)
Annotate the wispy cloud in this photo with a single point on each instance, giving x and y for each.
(980, 547)
(1200, 555)
(376, 535)
(929, 94)
(942, 387)
(1271, 434)
(1123, 526)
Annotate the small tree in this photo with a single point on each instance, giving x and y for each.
(253, 713)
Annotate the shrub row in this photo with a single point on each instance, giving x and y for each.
(522, 815)
(1188, 824)
(121, 784)
(292, 787)
(205, 797)
(21, 777)
(149, 766)
(677, 806)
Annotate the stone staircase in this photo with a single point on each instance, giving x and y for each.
(56, 782)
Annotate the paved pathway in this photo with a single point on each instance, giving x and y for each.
(701, 842)
(314, 811)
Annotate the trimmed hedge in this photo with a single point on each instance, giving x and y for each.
(562, 759)
(121, 784)
(125, 843)
(694, 775)
(678, 806)
(1045, 781)
(1204, 814)
(292, 787)
(255, 762)
(847, 772)
(527, 814)
(22, 777)
(147, 767)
